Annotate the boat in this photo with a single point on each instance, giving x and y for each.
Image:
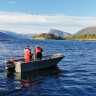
(19, 65)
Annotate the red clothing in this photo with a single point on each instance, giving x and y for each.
(30, 51)
(38, 50)
(27, 55)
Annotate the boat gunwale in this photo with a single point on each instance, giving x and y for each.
(53, 55)
(59, 56)
(43, 59)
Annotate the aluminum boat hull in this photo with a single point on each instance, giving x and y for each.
(47, 61)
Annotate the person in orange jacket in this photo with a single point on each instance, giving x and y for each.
(38, 51)
(30, 51)
(27, 54)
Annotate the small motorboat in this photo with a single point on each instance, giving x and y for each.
(19, 65)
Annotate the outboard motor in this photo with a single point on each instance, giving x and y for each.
(9, 65)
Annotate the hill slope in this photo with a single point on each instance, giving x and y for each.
(88, 30)
(5, 36)
(44, 36)
(9, 35)
(88, 37)
(12, 35)
(59, 33)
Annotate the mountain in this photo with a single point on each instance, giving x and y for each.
(5, 36)
(12, 35)
(87, 37)
(44, 36)
(9, 35)
(88, 30)
(26, 36)
(59, 33)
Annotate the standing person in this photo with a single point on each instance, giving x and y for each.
(38, 52)
(29, 51)
(27, 54)
(28, 47)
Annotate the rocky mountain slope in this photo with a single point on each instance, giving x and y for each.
(3, 35)
(59, 33)
(88, 30)
(10, 35)
(13, 35)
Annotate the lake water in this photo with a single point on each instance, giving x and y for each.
(75, 75)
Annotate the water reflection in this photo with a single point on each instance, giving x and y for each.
(30, 79)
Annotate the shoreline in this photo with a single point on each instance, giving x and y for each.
(4, 40)
(85, 39)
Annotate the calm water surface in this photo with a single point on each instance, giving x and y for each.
(75, 75)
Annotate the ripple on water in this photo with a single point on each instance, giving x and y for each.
(74, 76)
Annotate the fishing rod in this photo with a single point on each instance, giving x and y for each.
(5, 49)
(17, 48)
(32, 49)
(11, 49)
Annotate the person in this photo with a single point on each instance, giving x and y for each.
(29, 51)
(28, 47)
(27, 54)
(38, 52)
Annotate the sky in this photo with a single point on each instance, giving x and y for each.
(39, 16)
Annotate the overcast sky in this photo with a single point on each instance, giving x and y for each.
(39, 16)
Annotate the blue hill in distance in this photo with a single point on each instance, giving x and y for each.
(12, 35)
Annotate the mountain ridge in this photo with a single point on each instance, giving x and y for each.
(12, 35)
(59, 33)
(85, 31)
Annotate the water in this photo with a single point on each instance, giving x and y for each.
(75, 75)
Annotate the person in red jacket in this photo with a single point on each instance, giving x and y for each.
(27, 54)
(30, 51)
(38, 51)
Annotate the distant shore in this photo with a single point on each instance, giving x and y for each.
(87, 39)
(4, 40)
(66, 39)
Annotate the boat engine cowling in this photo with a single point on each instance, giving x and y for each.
(9, 65)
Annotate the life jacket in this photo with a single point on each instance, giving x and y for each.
(29, 51)
(26, 52)
(38, 50)
(27, 55)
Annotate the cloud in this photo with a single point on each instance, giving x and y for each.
(70, 23)
(8, 17)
